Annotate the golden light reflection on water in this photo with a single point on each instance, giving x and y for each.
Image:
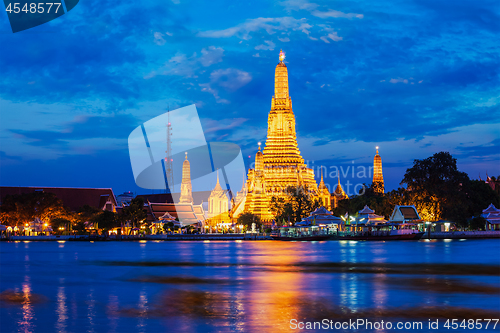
(242, 286)
(26, 323)
(274, 300)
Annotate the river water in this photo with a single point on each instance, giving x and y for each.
(248, 286)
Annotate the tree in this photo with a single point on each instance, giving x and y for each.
(106, 220)
(368, 196)
(477, 223)
(297, 204)
(277, 207)
(480, 195)
(61, 225)
(436, 187)
(16, 210)
(135, 212)
(247, 219)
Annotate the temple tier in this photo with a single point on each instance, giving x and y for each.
(280, 165)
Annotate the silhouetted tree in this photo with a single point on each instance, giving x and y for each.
(16, 210)
(135, 212)
(297, 204)
(247, 219)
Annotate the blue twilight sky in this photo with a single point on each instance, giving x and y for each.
(413, 77)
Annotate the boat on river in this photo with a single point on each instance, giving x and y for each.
(304, 233)
(319, 237)
(388, 231)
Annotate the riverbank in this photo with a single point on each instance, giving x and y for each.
(462, 235)
(229, 237)
(171, 237)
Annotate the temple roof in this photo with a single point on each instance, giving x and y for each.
(491, 209)
(321, 211)
(217, 189)
(339, 191)
(72, 197)
(366, 210)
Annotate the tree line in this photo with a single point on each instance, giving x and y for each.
(434, 185)
(438, 190)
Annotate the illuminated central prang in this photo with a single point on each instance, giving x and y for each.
(280, 164)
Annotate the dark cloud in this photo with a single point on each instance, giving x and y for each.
(405, 70)
(84, 127)
(489, 151)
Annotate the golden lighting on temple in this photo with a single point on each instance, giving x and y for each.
(282, 55)
(378, 178)
(280, 164)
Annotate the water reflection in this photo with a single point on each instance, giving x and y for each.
(380, 294)
(143, 310)
(26, 323)
(61, 309)
(243, 286)
(91, 311)
(112, 312)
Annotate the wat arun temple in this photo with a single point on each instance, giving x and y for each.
(278, 167)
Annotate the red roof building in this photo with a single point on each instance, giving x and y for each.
(72, 197)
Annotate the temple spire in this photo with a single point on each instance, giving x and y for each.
(378, 178)
(186, 187)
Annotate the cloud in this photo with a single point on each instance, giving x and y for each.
(182, 65)
(100, 69)
(231, 79)
(489, 150)
(268, 46)
(215, 125)
(159, 38)
(335, 14)
(270, 25)
(83, 135)
(299, 4)
(333, 36)
(206, 87)
(399, 80)
(82, 127)
(313, 9)
(211, 56)
(284, 40)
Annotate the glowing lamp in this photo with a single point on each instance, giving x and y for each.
(282, 56)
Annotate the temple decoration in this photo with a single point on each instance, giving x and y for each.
(218, 205)
(339, 194)
(282, 55)
(324, 194)
(280, 164)
(186, 188)
(378, 178)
